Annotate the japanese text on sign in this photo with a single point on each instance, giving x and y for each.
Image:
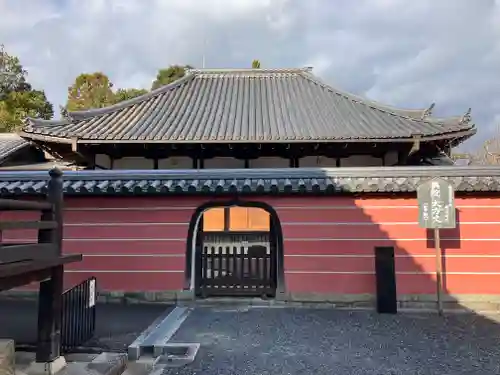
(436, 204)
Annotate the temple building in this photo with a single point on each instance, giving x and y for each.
(18, 154)
(249, 118)
(264, 182)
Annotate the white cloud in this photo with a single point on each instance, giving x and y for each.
(405, 53)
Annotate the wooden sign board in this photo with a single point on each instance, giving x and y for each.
(436, 204)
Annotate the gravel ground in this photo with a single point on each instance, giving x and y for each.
(320, 341)
(117, 325)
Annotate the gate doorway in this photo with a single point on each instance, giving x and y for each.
(236, 253)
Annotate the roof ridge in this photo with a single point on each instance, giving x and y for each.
(248, 70)
(426, 113)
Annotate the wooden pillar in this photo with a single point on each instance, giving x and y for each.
(227, 218)
(49, 317)
(50, 292)
(55, 197)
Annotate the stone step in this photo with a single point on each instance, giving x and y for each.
(151, 342)
(7, 357)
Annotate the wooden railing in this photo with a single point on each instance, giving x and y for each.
(43, 262)
(49, 225)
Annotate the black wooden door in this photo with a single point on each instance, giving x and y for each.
(236, 264)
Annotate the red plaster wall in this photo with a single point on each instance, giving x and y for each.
(138, 244)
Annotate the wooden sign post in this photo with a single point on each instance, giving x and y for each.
(436, 210)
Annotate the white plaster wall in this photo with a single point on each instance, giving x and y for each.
(317, 162)
(181, 162)
(133, 163)
(391, 158)
(223, 163)
(269, 162)
(230, 163)
(361, 161)
(103, 160)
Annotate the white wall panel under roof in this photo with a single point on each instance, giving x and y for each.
(269, 162)
(224, 163)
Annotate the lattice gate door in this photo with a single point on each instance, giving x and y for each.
(237, 264)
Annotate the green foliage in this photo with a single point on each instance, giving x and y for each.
(126, 94)
(169, 75)
(95, 90)
(90, 91)
(255, 64)
(17, 99)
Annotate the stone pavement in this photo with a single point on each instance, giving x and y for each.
(117, 325)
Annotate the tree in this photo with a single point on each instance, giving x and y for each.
(255, 64)
(90, 91)
(487, 154)
(126, 94)
(169, 75)
(12, 74)
(17, 98)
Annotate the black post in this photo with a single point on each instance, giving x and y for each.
(385, 272)
(49, 317)
(55, 197)
(50, 293)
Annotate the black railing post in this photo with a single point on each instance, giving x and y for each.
(385, 272)
(55, 198)
(50, 293)
(49, 317)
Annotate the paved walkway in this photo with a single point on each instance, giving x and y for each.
(117, 325)
(316, 341)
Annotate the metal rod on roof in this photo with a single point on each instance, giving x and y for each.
(203, 56)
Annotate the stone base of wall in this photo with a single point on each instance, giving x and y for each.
(452, 303)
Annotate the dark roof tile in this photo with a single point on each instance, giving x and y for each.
(329, 181)
(246, 105)
(10, 143)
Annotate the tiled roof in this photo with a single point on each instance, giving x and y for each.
(247, 105)
(9, 144)
(254, 181)
(41, 166)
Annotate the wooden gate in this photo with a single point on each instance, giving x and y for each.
(236, 264)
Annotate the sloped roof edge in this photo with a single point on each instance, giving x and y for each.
(11, 143)
(420, 115)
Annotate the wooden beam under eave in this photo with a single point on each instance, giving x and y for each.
(82, 154)
(416, 144)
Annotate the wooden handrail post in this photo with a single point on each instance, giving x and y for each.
(49, 316)
(50, 293)
(55, 198)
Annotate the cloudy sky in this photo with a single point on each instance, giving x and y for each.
(407, 53)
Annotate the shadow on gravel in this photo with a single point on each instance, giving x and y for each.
(117, 325)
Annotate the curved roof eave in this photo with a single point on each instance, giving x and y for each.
(424, 115)
(455, 136)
